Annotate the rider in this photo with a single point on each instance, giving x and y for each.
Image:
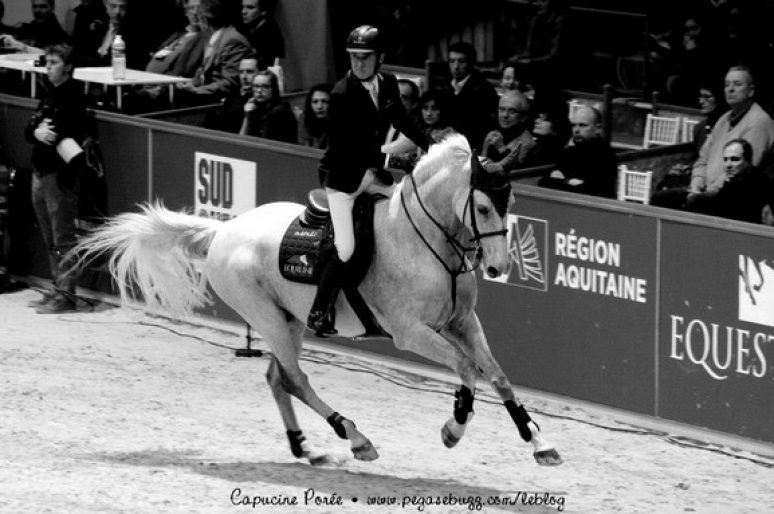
(364, 103)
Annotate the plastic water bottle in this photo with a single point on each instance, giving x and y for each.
(119, 58)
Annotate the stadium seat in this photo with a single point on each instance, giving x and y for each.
(688, 124)
(661, 131)
(634, 185)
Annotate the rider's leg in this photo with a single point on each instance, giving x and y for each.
(340, 205)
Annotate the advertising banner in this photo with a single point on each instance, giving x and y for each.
(717, 330)
(576, 313)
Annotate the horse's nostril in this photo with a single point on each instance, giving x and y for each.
(492, 272)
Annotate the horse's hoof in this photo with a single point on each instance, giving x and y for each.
(365, 452)
(449, 439)
(320, 459)
(548, 457)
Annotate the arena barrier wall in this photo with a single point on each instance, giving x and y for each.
(653, 311)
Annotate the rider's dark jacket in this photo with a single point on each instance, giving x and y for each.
(358, 129)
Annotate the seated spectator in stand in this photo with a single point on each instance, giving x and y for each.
(712, 105)
(746, 190)
(589, 166)
(409, 96)
(99, 53)
(232, 111)
(91, 24)
(551, 132)
(435, 116)
(690, 60)
(313, 121)
(180, 55)
(182, 52)
(147, 24)
(472, 99)
(746, 120)
(508, 78)
(217, 78)
(262, 32)
(545, 42)
(508, 145)
(44, 29)
(266, 115)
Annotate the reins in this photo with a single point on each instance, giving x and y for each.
(459, 249)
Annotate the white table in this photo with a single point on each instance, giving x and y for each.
(98, 75)
(25, 63)
(104, 75)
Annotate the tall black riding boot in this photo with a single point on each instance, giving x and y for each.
(322, 316)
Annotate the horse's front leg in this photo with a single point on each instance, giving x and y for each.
(424, 341)
(469, 335)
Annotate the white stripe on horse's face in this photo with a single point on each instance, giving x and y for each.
(495, 260)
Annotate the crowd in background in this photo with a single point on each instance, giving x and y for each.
(711, 54)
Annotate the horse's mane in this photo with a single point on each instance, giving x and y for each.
(453, 150)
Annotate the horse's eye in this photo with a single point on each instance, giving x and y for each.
(483, 210)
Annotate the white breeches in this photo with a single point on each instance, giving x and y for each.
(340, 205)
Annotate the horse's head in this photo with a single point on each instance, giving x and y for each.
(490, 197)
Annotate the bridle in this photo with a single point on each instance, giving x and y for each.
(499, 191)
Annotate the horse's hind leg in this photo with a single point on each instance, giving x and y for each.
(279, 384)
(286, 378)
(470, 336)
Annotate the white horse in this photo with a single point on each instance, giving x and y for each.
(420, 285)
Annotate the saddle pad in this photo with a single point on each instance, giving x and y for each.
(299, 252)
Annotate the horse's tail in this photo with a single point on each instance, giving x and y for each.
(155, 254)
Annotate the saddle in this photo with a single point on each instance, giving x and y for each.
(308, 241)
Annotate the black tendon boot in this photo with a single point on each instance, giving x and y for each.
(322, 316)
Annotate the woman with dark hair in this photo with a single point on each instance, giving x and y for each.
(551, 131)
(313, 121)
(434, 113)
(266, 115)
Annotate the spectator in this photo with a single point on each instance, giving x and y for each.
(435, 116)
(589, 166)
(218, 76)
(91, 24)
(545, 42)
(472, 99)
(56, 130)
(262, 32)
(508, 79)
(44, 29)
(182, 52)
(313, 122)
(746, 190)
(266, 115)
(409, 96)
(691, 60)
(231, 113)
(100, 55)
(712, 105)
(508, 145)
(146, 24)
(746, 120)
(551, 131)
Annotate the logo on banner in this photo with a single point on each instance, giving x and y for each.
(756, 290)
(528, 249)
(224, 187)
